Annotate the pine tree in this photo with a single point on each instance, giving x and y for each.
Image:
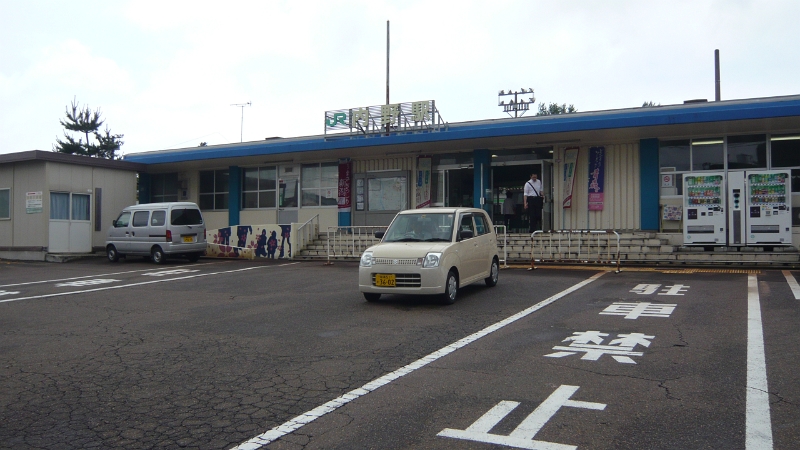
(87, 122)
(555, 108)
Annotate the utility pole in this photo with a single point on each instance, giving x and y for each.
(717, 94)
(387, 69)
(242, 105)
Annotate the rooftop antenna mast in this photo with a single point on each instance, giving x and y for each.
(242, 105)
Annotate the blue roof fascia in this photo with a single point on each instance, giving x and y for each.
(634, 118)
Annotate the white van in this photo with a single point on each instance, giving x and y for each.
(158, 230)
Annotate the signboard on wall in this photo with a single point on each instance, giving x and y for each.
(33, 202)
(423, 196)
(597, 169)
(568, 180)
(345, 175)
(409, 116)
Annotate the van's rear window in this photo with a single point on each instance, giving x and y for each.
(186, 217)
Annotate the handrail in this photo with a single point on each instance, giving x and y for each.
(505, 243)
(567, 256)
(351, 241)
(304, 235)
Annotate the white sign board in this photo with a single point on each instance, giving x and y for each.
(33, 202)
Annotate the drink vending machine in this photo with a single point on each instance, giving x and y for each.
(761, 211)
(704, 204)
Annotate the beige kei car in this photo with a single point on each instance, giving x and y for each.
(431, 251)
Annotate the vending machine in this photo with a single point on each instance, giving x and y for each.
(704, 206)
(769, 207)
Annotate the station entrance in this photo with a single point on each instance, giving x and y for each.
(453, 185)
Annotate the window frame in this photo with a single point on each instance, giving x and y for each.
(259, 191)
(216, 191)
(317, 187)
(9, 203)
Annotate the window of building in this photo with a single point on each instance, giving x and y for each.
(5, 203)
(59, 206)
(319, 184)
(747, 152)
(259, 187)
(164, 187)
(81, 209)
(708, 154)
(785, 150)
(674, 156)
(213, 189)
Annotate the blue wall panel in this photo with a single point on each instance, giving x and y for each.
(649, 182)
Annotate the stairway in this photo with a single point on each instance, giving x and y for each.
(635, 248)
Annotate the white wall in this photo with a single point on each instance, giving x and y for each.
(621, 210)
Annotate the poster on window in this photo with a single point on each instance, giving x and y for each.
(423, 182)
(568, 181)
(597, 169)
(345, 174)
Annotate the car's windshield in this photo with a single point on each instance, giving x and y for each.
(435, 227)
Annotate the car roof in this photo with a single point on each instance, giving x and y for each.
(439, 209)
(164, 205)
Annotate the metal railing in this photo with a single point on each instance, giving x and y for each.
(351, 241)
(505, 242)
(304, 234)
(584, 246)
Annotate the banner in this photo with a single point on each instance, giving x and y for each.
(423, 196)
(597, 170)
(345, 175)
(568, 181)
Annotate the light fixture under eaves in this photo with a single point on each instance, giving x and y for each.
(785, 138)
(285, 161)
(710, 142)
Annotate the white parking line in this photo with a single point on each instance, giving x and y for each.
(792, 284)
(312, 415)
(141, 283)
(100, 275)
(758, 427)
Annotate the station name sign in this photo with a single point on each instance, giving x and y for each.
(398, 117)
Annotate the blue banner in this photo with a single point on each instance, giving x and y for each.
(597, 170)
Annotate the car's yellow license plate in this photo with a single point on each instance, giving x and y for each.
(385, 280)
(188, 239)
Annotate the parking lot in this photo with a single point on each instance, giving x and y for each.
(288, 355)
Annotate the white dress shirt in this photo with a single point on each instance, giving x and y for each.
(529, 191)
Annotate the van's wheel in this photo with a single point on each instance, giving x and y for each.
(194, 257)
(494, 273)
(111, 253)
(157, 255)
(371, 296)
(450, 288)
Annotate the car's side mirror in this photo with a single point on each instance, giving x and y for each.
(114, 223)
(379, 234)
(465, 234)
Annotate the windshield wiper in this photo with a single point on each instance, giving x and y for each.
(437, 240)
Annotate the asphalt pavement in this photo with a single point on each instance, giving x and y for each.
(286, 355)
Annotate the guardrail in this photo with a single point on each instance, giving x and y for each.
(505, 243)
(575, 246)
(304, 234)
(350, 241)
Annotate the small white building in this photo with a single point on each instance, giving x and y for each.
(54, 203)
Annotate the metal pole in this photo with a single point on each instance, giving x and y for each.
(717, 95)
(387, 70)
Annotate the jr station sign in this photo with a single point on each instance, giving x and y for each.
(394, 117)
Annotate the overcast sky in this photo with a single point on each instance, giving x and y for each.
(165, 73)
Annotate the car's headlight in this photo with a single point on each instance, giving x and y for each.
(432, 260)
(366, 259)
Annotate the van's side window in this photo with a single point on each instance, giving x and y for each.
(140, 218)
(186, 217)
(123, 220)
(158, 219)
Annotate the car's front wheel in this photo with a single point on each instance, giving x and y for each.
(494, 274)
(450, 288)
(371, 296)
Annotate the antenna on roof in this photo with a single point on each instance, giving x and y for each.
(242, 105)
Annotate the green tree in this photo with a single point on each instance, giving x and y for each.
(649, 104)
(87, 122)
(555, 108)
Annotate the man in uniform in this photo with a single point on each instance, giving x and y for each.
(534, 201)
